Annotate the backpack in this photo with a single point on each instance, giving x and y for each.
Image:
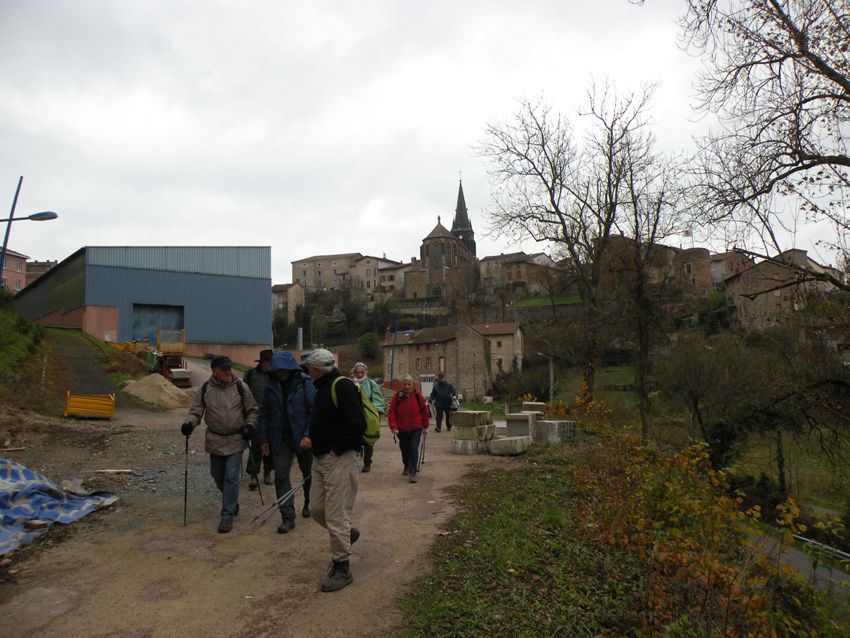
(373, 419)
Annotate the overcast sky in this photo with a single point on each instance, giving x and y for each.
(313, 128)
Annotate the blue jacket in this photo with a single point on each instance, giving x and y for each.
(299, 404)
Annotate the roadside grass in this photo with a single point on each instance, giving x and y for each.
(607, 538)
(537, 301)
(497, 407)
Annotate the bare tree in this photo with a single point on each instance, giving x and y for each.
(555, 188)
(778, 76)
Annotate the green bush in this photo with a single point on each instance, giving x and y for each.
(368, 343)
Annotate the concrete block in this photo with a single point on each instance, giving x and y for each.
(519, 424)
(471, 418)
(469, 447)
(477, 433)
(533, 406)
(510, 445)
(551, 432)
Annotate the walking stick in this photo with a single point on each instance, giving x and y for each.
(185, 481)
(422, 450)
(259, 488)
(264, 514)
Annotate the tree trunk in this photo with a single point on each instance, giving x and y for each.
(780, 464)
(642, 382)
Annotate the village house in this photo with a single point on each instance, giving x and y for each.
(724, 265)
(13, 274)
(288, 297)
(769, 292)
(471, 356)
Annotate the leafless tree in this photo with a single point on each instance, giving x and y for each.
(777, 75)
(554, 187)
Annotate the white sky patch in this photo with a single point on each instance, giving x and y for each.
(313, 128)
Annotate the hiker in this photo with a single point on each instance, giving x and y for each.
(336, 429)
(230, 414)
(372, 391)
(283, 430)
(441, 396)
(408, 416)
(256, 379)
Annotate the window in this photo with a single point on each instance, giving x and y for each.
(498, 344)
(18, 285)
(428, 362)
(333, 264)
(688, 268)
(368, 284)
(442, 367)
(19, 265)
(417, 363)
(368, 272)
(304, 273)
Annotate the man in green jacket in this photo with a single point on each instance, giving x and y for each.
(230, 414)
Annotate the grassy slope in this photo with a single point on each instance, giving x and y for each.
(604, 539)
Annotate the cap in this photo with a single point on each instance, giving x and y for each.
(221, 362)
(265, 355)
(321, 358)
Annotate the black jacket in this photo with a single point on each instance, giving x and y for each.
(333, 428)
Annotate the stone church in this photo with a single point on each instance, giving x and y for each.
(447, 268)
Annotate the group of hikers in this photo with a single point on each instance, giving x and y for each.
(284, 411)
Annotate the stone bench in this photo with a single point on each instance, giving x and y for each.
(522, 423)
(509, 445)
(550, 432)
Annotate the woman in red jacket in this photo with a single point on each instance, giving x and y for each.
(408, 416)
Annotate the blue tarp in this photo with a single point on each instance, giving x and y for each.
(27, 495)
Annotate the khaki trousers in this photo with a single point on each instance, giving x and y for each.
(332, 492)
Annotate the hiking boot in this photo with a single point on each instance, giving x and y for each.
(267, 478)
(305, 513)
(252, 484)
(286, 526)
(353, 535)
(404, 472)
(412, 478)
(437, 430)
(338, 576)
(225, 525)
(366, 468)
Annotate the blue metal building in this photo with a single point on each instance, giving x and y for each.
(220, 296)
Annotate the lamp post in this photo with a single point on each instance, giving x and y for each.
(36, 217)
(551, 377)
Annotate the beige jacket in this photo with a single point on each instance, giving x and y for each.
(225, 412)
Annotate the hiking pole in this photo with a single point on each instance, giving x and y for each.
(185, 481)
(422, 450)
(259, 488)
(279, 501)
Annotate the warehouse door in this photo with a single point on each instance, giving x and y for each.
(148, 319)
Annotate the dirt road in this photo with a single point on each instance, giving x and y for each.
(135, 571)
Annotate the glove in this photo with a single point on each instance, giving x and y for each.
(187, 428)
(247, 432)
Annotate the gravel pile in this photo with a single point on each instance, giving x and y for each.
(155, 388)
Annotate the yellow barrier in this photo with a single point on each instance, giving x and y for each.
(90, 405)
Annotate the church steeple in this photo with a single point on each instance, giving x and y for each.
(461, 226)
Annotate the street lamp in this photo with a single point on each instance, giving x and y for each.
(36, 217)
(551, 377)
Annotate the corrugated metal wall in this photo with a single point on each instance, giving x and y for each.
(62, 288)
(234, 261)
(216, 309)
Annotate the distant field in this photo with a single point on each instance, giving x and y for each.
(533, 302)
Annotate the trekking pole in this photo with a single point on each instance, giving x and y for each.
(185, 481)
(422, 450)
(284, 497)
(259, 488)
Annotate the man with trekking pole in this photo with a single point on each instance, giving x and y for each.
(230, 414)
(337, 425)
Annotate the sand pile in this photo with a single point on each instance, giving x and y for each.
(155, 388)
